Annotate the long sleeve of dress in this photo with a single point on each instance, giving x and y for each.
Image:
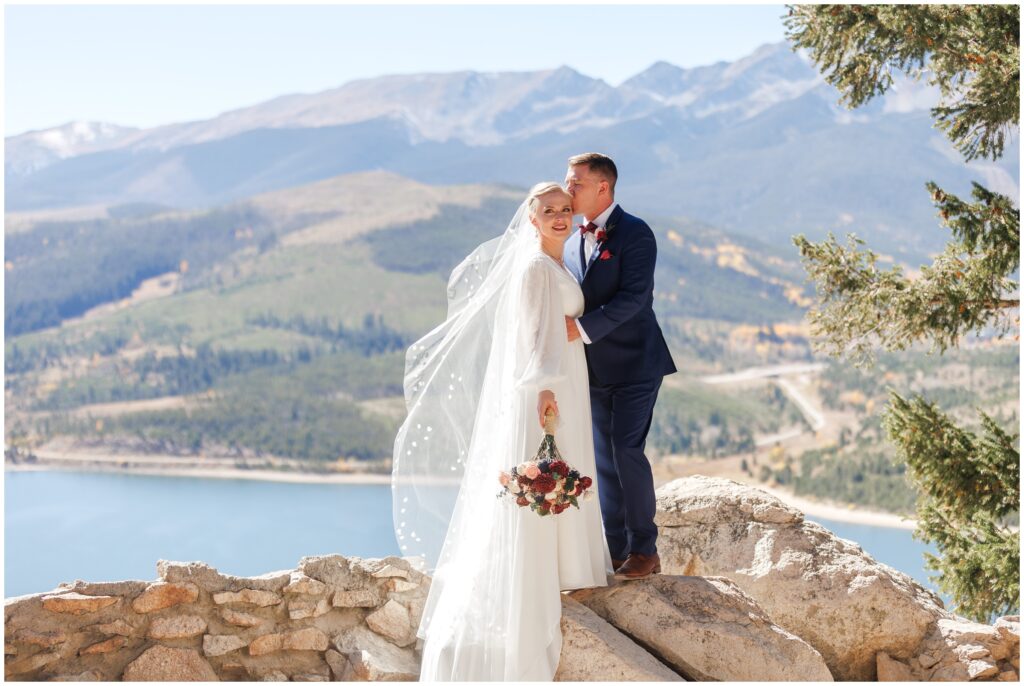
(540, 330)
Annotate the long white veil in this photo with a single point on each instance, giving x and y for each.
(471, 391)
(445, 372)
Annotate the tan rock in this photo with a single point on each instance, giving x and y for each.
(300, 583)
(1008, 675)
(926, 660)
(107, 646)
(893, 670)
(243, 619)
(391, 620)
(161, 594)
(162, 663)
(812, 583)
(982, 669)
(185, 626)
(77, 604)
(29, 663)
(594, 650)
(249, 596)
(388, 571)
(214, 646)
(363, 597)
(341, 668)
(705, 628)
(362, 655)
(303, 609)
(266, 644)
(400, 586)
(956, 671)
(309, 638)
(44, 639)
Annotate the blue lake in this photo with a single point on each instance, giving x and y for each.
(62, 526)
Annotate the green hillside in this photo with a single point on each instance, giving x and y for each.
(290, 313)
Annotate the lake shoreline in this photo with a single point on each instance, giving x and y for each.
(213, 473)
(826, 510)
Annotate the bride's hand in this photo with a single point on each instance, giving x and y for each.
(546, 399)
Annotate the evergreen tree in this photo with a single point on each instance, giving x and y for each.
(970, 484)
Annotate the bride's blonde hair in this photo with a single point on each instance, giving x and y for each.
(543, 188)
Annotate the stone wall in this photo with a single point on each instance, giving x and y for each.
(332, 618)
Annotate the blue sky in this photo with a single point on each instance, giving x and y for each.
(150, 65)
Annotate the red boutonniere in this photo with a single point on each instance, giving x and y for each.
(600, 235)
(606, 255)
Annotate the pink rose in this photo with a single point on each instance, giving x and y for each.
(532, 471)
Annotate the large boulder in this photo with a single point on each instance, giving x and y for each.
(594, 650)
(819, 586)
(707, 629)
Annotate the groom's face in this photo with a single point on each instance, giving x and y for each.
(589, 191)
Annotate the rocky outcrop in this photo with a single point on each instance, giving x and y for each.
(705, 628)
(594, 650)
(868, 620)
(750, 592)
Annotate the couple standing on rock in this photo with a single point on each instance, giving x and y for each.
(545, 317)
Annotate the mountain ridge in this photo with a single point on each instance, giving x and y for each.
(764, 136)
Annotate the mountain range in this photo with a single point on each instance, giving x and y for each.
(758, 146)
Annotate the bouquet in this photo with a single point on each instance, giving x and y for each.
(546, 484)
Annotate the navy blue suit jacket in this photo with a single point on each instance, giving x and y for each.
(618, 313)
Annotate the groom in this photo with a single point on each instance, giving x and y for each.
(612, 256)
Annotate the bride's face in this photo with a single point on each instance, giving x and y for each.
(553, 215)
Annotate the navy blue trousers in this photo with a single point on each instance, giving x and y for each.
(622, 418)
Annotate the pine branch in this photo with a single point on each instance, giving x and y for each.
(861, 306)
(971, 52)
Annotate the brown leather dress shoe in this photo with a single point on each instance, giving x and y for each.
(638, 565)
(616, 564)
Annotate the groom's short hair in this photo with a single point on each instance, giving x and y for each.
(601, 165)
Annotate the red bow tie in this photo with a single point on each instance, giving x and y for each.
(591, 227)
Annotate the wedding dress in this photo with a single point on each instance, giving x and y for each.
(494, 606)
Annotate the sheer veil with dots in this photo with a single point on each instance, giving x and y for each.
(470, 389)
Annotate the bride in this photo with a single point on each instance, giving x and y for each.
(477, 388)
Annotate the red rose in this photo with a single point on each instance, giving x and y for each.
(523, 482)
(560, 508)
(600, 235)
(586, 481)
(544, 483)
(545, 506)
(560, 467)
(605, 255)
